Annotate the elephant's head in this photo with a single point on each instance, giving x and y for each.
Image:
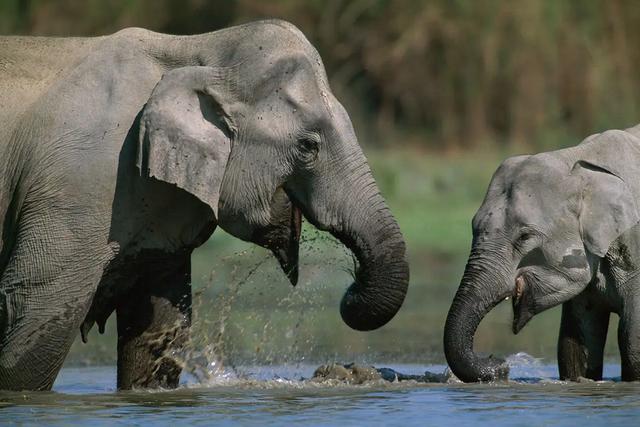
(545, 223)
(261, 140)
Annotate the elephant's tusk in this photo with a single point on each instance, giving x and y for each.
(519, 289)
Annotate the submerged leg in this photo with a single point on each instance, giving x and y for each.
(153, 327)
(629, 341)
(583, 333)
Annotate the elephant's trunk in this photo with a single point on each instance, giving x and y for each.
(382, 277)
(366, 226)
(484, 284)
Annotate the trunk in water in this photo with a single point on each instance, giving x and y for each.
(480, 290)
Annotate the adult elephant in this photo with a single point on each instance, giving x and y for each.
(557, 228)
(121, 154)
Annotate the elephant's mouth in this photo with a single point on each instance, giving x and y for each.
(282, 234)
(287, 253)
(522, 303)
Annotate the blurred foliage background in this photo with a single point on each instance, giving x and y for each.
(449, 74)
(440, 92)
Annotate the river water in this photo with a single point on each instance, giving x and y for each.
(278, 396)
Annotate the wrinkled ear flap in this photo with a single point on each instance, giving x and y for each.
(185, 133)
(607, 209)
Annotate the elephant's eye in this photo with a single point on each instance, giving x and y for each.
(309, 143)
(527, 235)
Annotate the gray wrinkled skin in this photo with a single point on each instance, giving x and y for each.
(121, 154)
(557, 228)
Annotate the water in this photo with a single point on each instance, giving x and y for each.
(277, 396)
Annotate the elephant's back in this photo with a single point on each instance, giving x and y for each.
(54, 91)
(28, 66)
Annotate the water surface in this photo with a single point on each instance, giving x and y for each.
(277, 396)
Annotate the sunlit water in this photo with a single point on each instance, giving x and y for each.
(279, 396)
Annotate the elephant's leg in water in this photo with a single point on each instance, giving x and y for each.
(629, 338)
(45, 292)
(153, 326)
(583, 333)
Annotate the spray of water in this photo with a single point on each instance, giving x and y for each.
(237, 324)
(524, 366)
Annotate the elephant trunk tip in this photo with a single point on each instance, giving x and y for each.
(469, 307)
(365, 308)
(468, 367)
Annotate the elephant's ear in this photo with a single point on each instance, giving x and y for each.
(607, 206)
(186, 131)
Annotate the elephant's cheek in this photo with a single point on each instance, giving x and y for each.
(237, 227)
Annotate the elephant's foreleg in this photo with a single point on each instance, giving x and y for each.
(583, 333)
(153, 327)
(45, 292)
(629, 340)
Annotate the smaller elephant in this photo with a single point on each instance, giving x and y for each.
(557, 228)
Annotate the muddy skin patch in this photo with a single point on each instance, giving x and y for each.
(577, 259)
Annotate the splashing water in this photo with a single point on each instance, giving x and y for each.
(233, 324)
(523, 365)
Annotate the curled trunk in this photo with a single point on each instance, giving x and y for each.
(357, 215)
(481, 289)
(382, 277)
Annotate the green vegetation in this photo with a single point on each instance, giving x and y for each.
(434, 196)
